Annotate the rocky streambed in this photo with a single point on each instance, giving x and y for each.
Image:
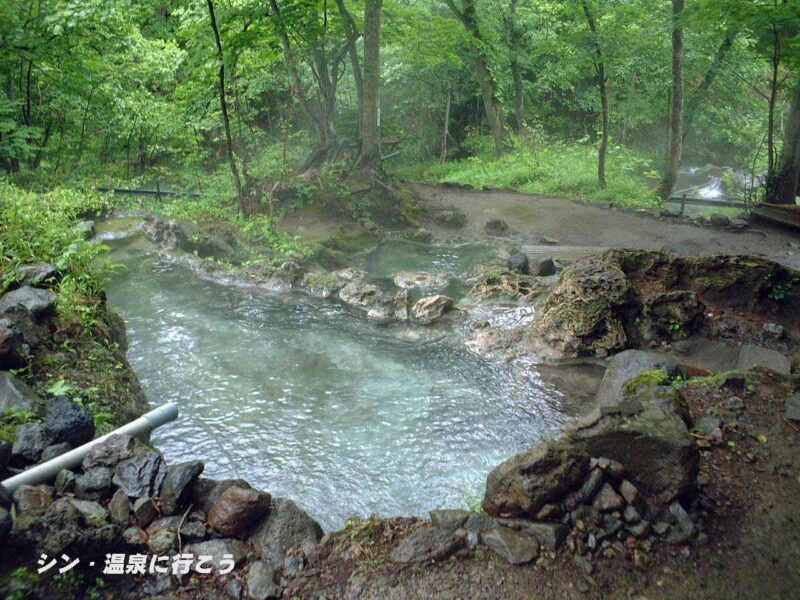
(624, 480)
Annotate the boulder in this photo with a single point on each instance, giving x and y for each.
(37, 275)
(6, 522)
(449, 519)
(92, 511)
(5, 455)
(141, 475)
(68, 421)
(29, 444)
(55, 450)
(549, 535)
(63, 529)
(32, 499)
(217, 550)
(607, 500)
(626, 365)
(40, 303)
(751, 356)
(177, 487)
(16, 395)
(12, 352)
(65, 482)
(110, 452)
(544, 267)
(360, 294)
(428, 309)
(518, 263)
(591, 310)
(719, 221)
(418, 279)
(648, 434)
(261, 582)
(145, 511)
(523, 484)
(496, 227)
(21, 321)
(237, 509)
(94, 484)
(793, 407)
(450, 218)
(514, 546)
(286, 526)
(206, 492)
(427, 544)
(119, 507)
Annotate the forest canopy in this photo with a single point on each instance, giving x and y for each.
(619, 92)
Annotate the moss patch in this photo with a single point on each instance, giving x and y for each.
(646, 379)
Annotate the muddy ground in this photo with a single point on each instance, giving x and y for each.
(532, 218)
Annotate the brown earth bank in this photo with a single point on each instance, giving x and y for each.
(680, 483)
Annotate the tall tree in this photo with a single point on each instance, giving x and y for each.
(514, 42)
(468, 16)
(351, 36)
(676, 118)
(602, 86)
(246, 202)
(783, 187)
(370, 156)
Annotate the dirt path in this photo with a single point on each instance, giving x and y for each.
(532, 218)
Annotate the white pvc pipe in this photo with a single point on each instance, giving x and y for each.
(47, 471)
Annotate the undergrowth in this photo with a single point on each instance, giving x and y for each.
(553, 168)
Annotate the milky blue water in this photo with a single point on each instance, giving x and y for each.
(308, 400)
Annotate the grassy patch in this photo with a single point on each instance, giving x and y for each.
(554, 168)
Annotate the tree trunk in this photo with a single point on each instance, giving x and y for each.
(785, 182)
(351, 35)
(513, 42)
(602, 86)
(773, 99)
(494, 111)
(676, 121)
(247, 205)
(443, 154)
(370, 156)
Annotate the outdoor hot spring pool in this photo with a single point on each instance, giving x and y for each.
(308, 400)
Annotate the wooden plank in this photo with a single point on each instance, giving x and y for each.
(707, 202)
(534, 252)
(157, 193)
(783, 215)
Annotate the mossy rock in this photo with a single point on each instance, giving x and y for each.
(646, 379)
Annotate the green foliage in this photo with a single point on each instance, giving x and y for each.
(41, 228)
(10, 420)
(555, 169)
(20, 583)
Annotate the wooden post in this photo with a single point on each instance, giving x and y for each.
(683, 203)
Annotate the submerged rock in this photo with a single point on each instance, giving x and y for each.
(428, 309)
(450, 218)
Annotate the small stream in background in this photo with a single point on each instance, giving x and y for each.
(307, 400)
